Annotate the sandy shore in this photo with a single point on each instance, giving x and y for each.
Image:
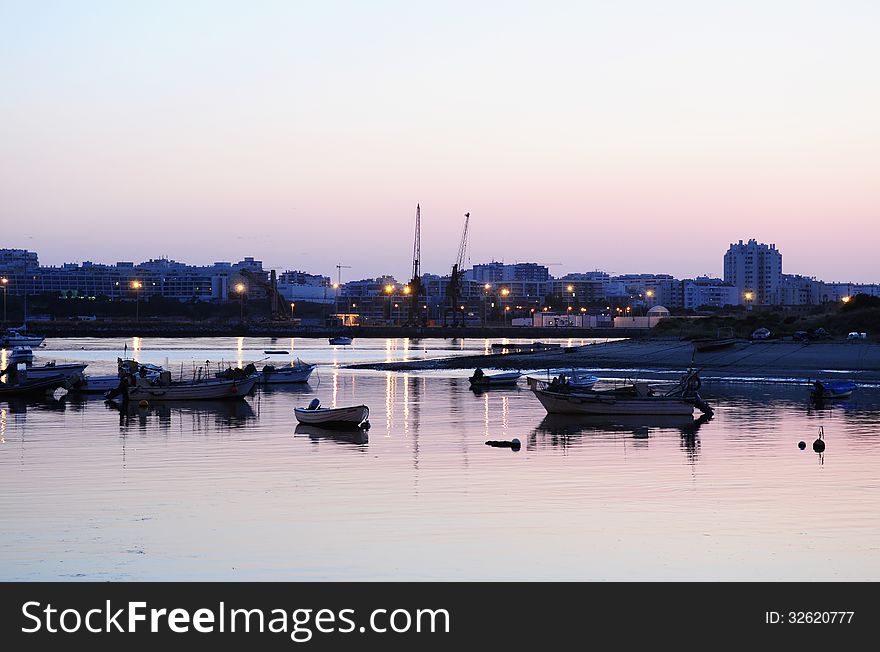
(773, 359)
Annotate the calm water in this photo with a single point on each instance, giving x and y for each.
(238, 491)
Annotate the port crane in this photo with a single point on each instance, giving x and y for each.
(279, 305)
(414, 288)
(454, 289)
(338, 285)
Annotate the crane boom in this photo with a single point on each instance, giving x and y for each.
(454, 289)
(415, 285)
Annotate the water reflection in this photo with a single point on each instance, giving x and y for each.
(562, 430)
(195, 416)
(344, 437)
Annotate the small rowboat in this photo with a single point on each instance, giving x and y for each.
(341, 340)
(479, 379)
(831, 389)
(355, 416)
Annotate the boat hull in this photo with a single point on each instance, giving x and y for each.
(346, 417)
(67, 370)
(283, 376)
(598, 404)
(33, 387)
(20, 340)
(209, 390)
(498, 380)
(713, 344)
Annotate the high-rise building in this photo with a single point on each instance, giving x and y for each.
(755, 269)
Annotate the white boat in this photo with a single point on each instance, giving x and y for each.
(341, 340)
(290, 373)
(14, 338)
(480, 379)
(634, 398)
(23, 355)
(577, 378)
(212, 388)
(355, 416)
(69, 371)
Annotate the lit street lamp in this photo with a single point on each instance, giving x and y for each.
(239, 287)
(136, 286)
(5, 282)
(749, 295)
(486, 289)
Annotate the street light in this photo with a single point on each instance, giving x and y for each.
(749, 295)
(5, 282)
(239, 287)
(844, 299)
(136, 286)
(486, 288)
(389, 290)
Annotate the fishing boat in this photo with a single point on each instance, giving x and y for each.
(480, 379)
(13, 338)
(30, 387)
(636, 398)
(355, 416)
(290, 373)
(341, 340)
(163, 389)
(823, 390)
(524, 348)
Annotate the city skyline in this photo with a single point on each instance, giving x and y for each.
(637, 137)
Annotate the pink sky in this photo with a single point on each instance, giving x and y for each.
(631, 138)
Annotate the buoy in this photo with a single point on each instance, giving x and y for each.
(143, 403)
(819, 444)
(802, 445)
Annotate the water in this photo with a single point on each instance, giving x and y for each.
(237, 491)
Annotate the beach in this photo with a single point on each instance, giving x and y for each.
(859, 360)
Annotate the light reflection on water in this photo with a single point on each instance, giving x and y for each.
(240, 491)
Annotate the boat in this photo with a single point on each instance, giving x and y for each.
(355, 416)
(702, 344)
(31, 387)
(13, 338)
(95, 384)
(289, 373)
(480, 379)
(723, 339)
(823, 390)
(634, 398)
(163, 389)
(577, 378)
(23, 355)
(275, 352)
(340, 340)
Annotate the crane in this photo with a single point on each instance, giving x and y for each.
(416, 289)
(453, 290)
(339, 268)
(279, 305)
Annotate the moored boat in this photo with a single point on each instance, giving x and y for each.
(480, 379)
(634, 398)
(13, 338)
(290, 373)
(355, 416)
(341, 340)
(704, 344)
(162, 389)
(30, 387)
(831, 389)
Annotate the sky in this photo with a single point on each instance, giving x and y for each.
(631, 137)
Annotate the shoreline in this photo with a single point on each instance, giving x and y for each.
(283, 329)
(768, 359)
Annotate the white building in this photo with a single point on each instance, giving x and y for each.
(705, 291)
(754, 268)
